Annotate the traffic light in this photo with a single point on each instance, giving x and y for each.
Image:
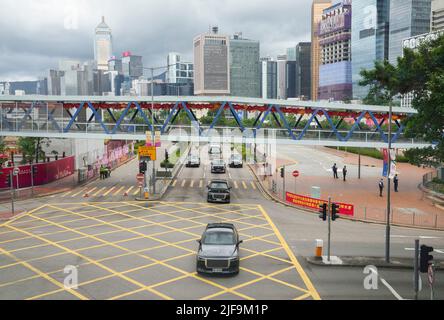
(425, 259)
(334, 211)
(166, 156)
(142, 167)
(282, 172)
(323, 211)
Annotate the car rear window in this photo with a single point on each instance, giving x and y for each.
(218, 185)
(218, 238)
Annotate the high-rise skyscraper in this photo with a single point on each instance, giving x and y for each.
(303, 71)
(437, 18)
(291, 54)
(291, 69)
(102, 45)
(282, 76)
(317, 9)
(370, 34)
(335, 80)
(268, 78)
(179, 71)
(211, 64)
(244, 67)
(408, 18)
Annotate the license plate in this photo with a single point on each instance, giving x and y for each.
(217, 269)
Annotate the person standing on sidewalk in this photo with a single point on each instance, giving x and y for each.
(344, 172)
(381, 187)
(335, 171)
(395, 182)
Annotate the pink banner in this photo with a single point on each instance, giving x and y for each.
(44, 173)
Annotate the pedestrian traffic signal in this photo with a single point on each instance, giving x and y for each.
(282, 172)
(425, 259)
(334, 211)
(142, 167)
(323, 211)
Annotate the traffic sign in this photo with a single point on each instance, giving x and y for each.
(140, 177)
(295, 173)
(16, 171)
(147, 152)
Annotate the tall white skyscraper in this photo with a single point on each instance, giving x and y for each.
(103, 49)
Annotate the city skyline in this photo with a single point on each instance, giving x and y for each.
(32, 46)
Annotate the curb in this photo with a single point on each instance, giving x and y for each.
(277, 200)
(362, 262)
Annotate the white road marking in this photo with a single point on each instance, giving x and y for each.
(183, 183)
(192, 184)
(200, 183)
(435, 250)
(420, 237)
(388, 286)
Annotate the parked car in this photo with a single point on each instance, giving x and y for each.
(218, 166)
(192, 161)
(235, 161)
(218, 251)
(219, 191)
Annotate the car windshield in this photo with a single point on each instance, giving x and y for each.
(218, 185)
(218, 162)
(194, 158)
(218, 238)
(215, 150)
(236, 156)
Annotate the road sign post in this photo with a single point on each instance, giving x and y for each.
(295, 175)
(416, 269)
(12, 192)
(431, 278)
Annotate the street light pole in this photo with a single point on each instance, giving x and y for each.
(152, 128)
(387, 228)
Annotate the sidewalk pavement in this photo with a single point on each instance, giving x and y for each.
(361, 262)
(409, 206)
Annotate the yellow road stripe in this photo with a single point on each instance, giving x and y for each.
(118, 191)
(235, 184)
(137, 191)
(77, 193)
(174, 183)
(290, 253)
(91, 190)
(66, 194)
(44, 275)
(99, 191)
(244, 184)
(109, 191)
(129, 190)
(192, 184)
(183, 183)
(253, 185)
(200, 183)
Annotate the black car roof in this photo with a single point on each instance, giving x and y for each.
(218, 181)
(221, 225)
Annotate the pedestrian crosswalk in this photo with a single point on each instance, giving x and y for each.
(201, 183)
(128, 191)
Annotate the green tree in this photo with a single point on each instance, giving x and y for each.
(420, 72)
(31, 149)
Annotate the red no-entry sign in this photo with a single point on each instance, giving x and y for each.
(295, 173)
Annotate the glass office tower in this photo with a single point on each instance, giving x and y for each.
(370, 35)
(408, 18)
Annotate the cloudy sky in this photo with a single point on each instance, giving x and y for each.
(35, 35)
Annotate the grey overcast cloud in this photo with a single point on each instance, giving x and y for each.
(35, 35)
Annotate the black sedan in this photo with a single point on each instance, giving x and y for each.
(218, 166)
(218, 191)
(218, 251)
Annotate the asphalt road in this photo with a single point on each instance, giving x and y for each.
(299, 230)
